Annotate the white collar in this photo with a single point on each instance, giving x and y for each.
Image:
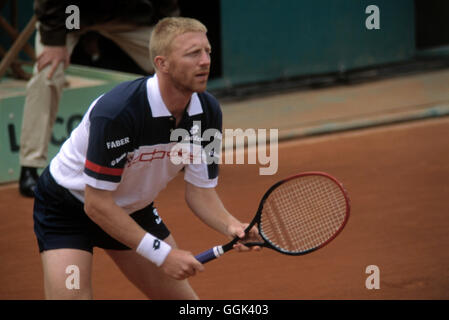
(157, 105)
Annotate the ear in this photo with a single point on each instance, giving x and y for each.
(161, 63)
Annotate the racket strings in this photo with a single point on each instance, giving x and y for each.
(303, 213)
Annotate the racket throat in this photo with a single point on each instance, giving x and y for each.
(228, 246)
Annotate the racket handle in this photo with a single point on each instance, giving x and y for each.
(210, 254)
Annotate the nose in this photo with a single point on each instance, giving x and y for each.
(205, 58)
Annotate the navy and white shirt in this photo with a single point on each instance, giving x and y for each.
(123, 145)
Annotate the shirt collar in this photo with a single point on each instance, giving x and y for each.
(157, 105)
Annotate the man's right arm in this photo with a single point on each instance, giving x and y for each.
(51, 16)
(100, 206)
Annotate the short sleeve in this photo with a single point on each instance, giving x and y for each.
(198, 175)
(206, 173)
(108, 147)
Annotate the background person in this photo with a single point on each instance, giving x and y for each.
(126, 22)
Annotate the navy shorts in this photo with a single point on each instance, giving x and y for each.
(60, 221)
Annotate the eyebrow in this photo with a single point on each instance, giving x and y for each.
(196, 46)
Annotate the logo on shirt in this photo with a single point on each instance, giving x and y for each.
(157, 219)
(194, 130)
(117, 143)
(114, 162)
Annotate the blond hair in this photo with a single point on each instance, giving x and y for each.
(169, 28)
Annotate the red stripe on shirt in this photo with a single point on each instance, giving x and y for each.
(103, 170)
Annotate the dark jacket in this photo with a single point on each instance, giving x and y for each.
(52, 14)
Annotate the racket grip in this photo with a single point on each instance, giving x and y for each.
(210, 254)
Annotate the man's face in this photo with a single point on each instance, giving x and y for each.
(189, 62)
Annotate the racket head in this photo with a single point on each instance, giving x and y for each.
(302, 213)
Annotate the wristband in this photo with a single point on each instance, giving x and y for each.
(153, 249)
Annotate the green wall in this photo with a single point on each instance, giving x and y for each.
(73, 105)
(267, 40)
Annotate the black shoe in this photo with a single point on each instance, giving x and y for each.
(28, 181)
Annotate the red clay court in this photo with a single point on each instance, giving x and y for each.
(397, 178)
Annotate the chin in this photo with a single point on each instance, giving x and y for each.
(200, 88)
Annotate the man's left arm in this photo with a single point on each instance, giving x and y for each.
(207, 205)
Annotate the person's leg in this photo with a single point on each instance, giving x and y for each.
(149, 278)
(39, 115)
(61, 278)
(62, 233)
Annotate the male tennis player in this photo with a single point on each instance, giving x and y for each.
(99, 189)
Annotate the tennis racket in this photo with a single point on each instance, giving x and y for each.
(296, 216)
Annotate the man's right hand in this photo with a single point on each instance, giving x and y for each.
(180, 264)
(53, 55)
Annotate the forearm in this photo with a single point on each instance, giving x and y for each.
(112, 218)
(51, 15)
(102, 209)
(208, 207)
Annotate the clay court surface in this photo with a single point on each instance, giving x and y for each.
(398, 180)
